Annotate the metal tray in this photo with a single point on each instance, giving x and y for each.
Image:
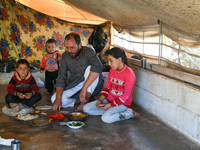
(45, 107)
(70, 118)
(31, 122)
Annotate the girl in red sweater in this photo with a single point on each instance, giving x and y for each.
(116, 97)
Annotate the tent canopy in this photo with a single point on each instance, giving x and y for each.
(182, 15)
(62, 10)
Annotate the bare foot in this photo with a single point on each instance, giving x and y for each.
(136, 114)
(12, 105)
(47, 93)
(77, 102)
(80, 108)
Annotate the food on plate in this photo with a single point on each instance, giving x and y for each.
(41, 122)
(16, 112)
(76, 123)
(57, 116)
(80, 115)
(26, 117)
(37, 111)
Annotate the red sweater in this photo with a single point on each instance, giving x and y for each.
(27, 85)
(119, 87)
(49, 61)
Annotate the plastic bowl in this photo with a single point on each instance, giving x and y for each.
(70, 118)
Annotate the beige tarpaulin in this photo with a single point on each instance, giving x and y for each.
(182, 15)
(62, 10)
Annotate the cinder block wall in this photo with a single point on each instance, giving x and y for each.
(173, 101)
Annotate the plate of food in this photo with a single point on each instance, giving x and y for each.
(75, 124)
(42, 121)
(77, 116)
(26, 117)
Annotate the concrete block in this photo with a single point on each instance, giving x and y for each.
(187, 122)
(167, 111)
(188, 98)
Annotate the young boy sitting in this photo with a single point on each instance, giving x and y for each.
(50, 63)
(22, 88)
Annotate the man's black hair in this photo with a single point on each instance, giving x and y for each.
(75, 36)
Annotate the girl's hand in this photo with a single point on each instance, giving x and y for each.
(98, 104)
(105, 106)
(20, 95)
(28, 95)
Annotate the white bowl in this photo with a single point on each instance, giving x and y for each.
(75, 127)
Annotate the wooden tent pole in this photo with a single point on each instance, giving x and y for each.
(160, 41)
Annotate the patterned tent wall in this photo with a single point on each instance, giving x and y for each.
(24, 31)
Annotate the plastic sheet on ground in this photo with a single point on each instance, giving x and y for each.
(20, 109)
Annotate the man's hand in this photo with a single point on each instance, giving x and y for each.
(82, 96)
(57, 105)
(20, 95)
(28, 95)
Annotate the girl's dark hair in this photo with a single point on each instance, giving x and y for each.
(116, 53)
(22, 61)
(51, 41)
(75, 36)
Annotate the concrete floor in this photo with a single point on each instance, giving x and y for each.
(144, 133)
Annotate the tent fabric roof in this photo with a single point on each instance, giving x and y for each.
(62, 10)
(182, 15)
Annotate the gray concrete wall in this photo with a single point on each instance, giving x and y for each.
(173, 101)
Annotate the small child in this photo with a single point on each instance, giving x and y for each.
(50, 63)
(116, 97)
(22, 88)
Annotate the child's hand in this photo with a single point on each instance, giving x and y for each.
(105, 106)
(28, 95)
(58, 58)
(42, 70)
(20, 95)
(98, 104)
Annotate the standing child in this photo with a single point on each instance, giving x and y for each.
(116, 97)
(22, 88)
(50, 63)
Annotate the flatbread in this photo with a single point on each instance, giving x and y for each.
(26, 117)
(45, 107)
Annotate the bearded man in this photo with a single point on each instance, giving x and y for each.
(79, 75)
